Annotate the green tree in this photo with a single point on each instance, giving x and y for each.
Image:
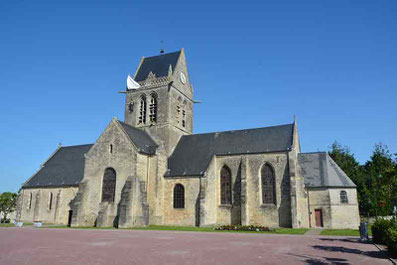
(376, 180)
(382, 180)
(7, 203)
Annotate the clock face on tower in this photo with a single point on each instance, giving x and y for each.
(183, 78)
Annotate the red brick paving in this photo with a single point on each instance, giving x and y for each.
(74, 246)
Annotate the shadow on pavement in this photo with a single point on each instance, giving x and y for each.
(322, 260)
(349, 240)
(373, 254)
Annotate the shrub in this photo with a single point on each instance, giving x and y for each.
(391, 241)
(244, 228)
(379, 229)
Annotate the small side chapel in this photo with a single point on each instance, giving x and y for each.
(150, 169)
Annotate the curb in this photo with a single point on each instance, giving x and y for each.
(394, 261)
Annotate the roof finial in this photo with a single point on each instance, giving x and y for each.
(162, 47)
(294, 118)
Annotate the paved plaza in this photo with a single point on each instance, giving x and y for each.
(78, 246)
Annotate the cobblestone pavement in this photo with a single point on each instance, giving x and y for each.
(79, 246)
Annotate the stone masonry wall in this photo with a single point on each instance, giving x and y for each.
(246, 207)
(123, 160)
(39, 206)
(344, 215)
(187, 215)
(335, 214)
(319, 200)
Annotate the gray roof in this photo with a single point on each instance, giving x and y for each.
(141, 139)
(319, 170)
(64, 168)
(158, 65)
(193, 153)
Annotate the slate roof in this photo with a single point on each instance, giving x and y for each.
(141, 139)
(193, 153)
(158, 65)
(319, 170)
(64, 168)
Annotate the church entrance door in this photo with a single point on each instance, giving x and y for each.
(319, 217)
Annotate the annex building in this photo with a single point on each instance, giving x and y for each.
(151, 169)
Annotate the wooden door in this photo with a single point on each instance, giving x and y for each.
(319, 217)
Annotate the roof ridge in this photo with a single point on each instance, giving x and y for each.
(75, 145)
(318, 152)
(159, 55)
(249, 129)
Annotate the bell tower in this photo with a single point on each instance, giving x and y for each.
(159, 98)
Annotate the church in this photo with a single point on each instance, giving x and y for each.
(151, 169)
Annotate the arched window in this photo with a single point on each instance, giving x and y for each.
(179, 196)
(226, 185)
(50, 197)
(268, 185)
(142, 110)
(109, 185)
(153, 108)
(30, 201)
(343, 197)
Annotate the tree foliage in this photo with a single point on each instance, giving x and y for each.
(376, 180)
(7, 203)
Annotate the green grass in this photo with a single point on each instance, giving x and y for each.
(6, 225)
(290, 231)
(12, 225)
(343, 232)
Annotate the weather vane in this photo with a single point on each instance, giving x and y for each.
(162, 47)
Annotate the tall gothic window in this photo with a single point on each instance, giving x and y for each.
(50, 198)
(178, 110)
(226, 185)
(343, 197)
(142, 110)
(268, 185)
(179, 196)
(183, 118)
(153, 108)
(109, 185)
(178, 113)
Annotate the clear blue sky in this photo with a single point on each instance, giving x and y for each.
(252, 63)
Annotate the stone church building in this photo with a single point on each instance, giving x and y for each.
(150, 169)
